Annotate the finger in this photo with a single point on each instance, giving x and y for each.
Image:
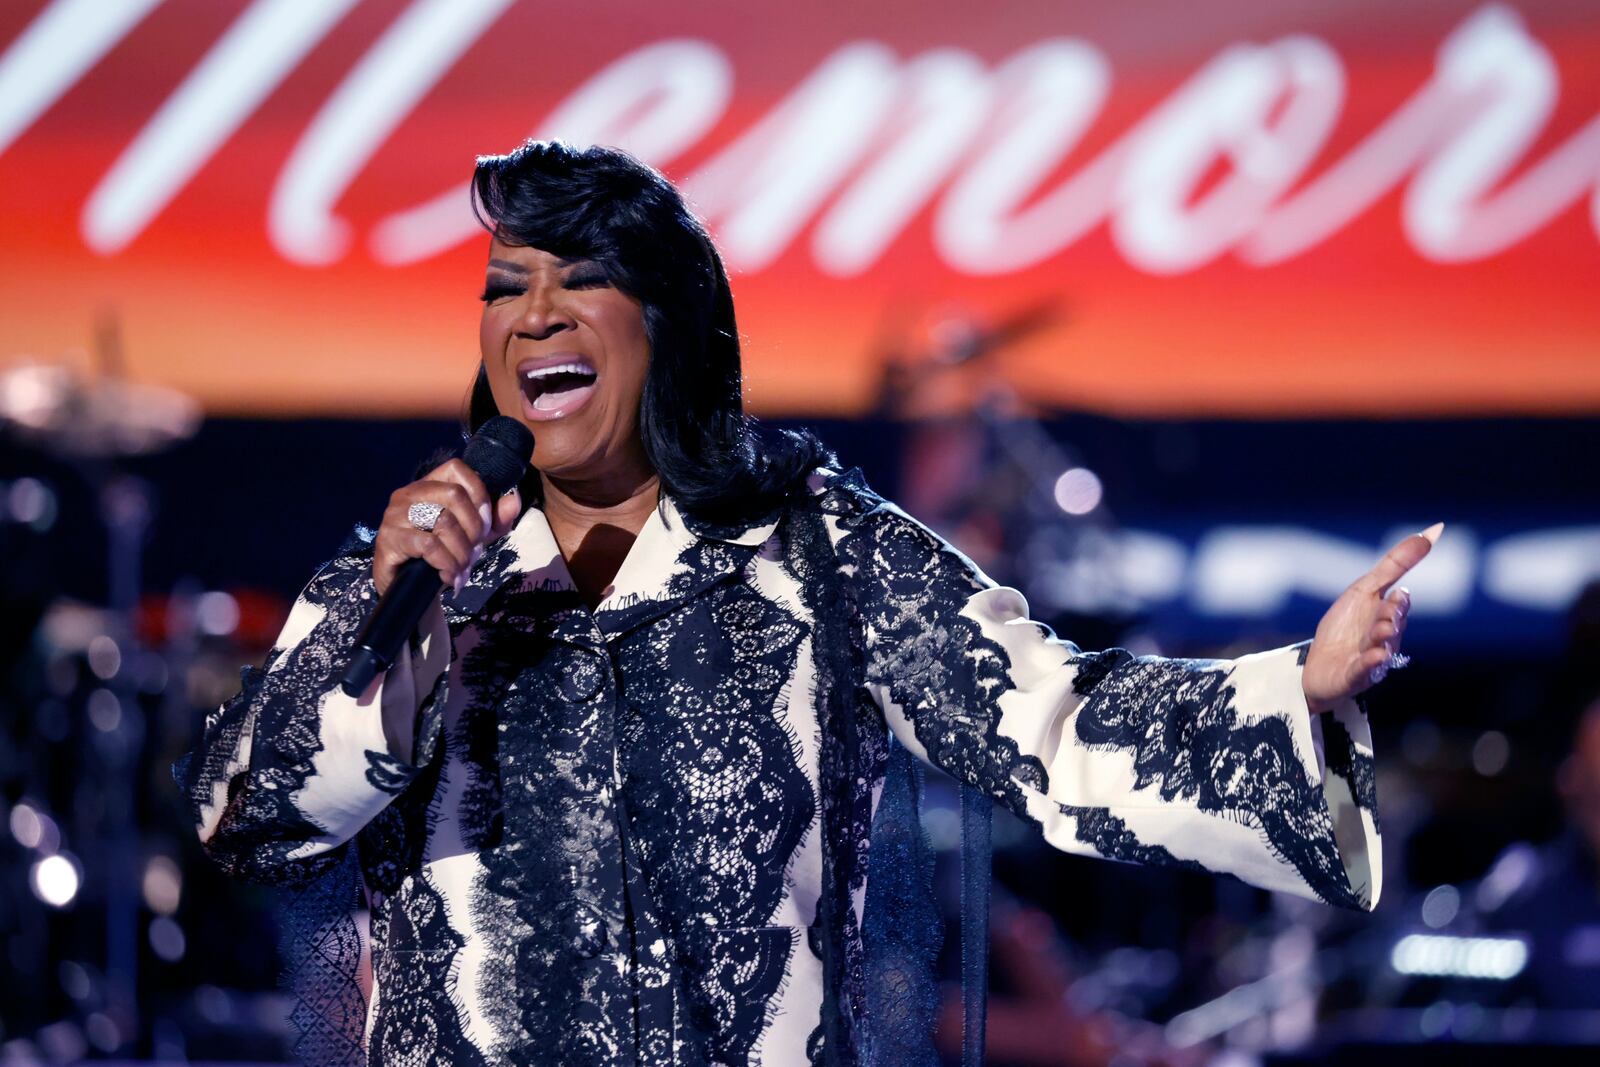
(1398, 607)
(506, 512)
(1393, 614)
(422, 544)
(1375, 662)
(1400, 597)
(1399, 559)
(383, 565)
(457, 472)
(456, 499)
(408, 543)
(462, 548)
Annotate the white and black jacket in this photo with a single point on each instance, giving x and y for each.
(645, 833)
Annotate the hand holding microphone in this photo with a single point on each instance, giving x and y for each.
(432, 533)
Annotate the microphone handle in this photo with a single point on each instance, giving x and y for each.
(388, 627)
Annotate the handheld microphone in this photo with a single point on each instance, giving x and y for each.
(498, 453)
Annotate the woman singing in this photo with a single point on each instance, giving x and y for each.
(620, 799)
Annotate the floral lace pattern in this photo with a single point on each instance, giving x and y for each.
(681, 829)
(717, 800)
(1179, 720)
(933, 661)
(550, 899)
(1110, 837)
(413, 964)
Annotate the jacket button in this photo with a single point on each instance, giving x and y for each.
(585, 931)
(584, 677)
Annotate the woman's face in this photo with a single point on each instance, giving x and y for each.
(566, 354)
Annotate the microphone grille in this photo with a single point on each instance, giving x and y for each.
(500, 452)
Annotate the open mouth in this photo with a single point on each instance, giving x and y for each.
(557, 389)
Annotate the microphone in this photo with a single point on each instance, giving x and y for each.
(498, 453)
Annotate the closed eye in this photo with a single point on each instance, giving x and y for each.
(587, 278)
(499, 290)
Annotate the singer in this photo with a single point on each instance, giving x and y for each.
(639, 788)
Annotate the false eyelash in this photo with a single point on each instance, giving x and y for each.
(495, 292)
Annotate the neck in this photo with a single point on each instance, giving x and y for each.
(595, 522)
(579, 505)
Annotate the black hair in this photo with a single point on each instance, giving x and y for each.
(604, 205)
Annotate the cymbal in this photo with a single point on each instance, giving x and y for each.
(66, 413)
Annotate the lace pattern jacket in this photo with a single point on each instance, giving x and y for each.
(674, 830)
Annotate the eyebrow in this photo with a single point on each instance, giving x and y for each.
(518, 268)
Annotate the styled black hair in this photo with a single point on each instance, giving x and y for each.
(604, 205)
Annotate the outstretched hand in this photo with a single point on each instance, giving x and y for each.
(1359, 634)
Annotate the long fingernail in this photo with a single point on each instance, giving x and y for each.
(486, 516)
(1432, 533)
(460, 580)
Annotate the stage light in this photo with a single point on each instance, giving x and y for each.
(102, 1032)
(105, 658)
(25, 826)
(34, 829)
(152, 673)
(1493, 958)
(166, 939)
(1078, 491)
(75, 980)
(1441, 905)
(216, 613)
(31, 502)
(105, 710)
(1490, 753)
(55, 880)
(162, 885)
(213, 1005)
(1420, 742)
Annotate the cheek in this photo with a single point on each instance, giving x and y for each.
(628, 347)
(492, 336)
(630, 389)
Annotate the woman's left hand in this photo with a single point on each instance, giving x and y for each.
(1360, 633)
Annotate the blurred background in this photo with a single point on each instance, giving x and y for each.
(1171, 314)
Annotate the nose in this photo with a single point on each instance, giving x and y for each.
(543, 314)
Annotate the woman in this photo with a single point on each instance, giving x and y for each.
(615, 803)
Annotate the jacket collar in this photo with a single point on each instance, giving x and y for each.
(673, 558)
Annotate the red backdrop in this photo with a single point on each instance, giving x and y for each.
(1280, 207)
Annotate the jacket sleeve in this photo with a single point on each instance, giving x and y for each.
(1216, 765)
(291, 768)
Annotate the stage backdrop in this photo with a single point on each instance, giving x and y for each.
(1221, 208)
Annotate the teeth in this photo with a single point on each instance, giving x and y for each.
(560, 368)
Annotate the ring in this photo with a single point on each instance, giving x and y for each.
(424, 515)
(1398, 660)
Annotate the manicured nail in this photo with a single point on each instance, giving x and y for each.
(460, 580)
(1432, 533)
(486, 516)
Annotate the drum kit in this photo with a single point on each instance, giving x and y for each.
(83, 425)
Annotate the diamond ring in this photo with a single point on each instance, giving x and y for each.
(424, 515)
